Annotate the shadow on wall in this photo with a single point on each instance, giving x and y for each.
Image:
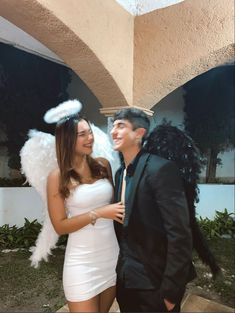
(91, 105)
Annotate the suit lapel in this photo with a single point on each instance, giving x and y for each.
(136, 179)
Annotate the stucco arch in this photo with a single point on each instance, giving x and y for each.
(130, 60)
(73, 30)
(175, 44)
(198, 67)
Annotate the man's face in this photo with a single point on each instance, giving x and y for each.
(123, 135)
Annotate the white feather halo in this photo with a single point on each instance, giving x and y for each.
(64, 109)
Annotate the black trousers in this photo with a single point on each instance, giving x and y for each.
(141, 300)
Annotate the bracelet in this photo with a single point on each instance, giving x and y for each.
(93, 215)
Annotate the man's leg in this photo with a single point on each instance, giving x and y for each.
(135, 300)
(126, 299)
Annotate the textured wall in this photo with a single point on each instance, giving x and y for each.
(125, 59)
(175, 44)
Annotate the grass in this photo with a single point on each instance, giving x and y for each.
(25, 289)
(222, 289)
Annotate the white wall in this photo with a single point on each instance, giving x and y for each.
(78, 89)
(17, 203)
(213, 198)
(227, 169)
(171, 108)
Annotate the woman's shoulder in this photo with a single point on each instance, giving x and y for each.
(54, 175)
(53, 181)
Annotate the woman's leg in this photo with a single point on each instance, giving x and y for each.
(106, 299)
(91, 305)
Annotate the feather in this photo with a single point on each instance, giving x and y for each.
(65, 109)
(38, 159)
(171, 143)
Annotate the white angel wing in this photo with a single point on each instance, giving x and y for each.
(103, 148)
(38, 159)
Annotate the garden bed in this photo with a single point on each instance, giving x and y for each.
(25, 289)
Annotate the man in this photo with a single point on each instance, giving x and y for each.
(154, 263)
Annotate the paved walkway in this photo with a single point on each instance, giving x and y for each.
(191, 303)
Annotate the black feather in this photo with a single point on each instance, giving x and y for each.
(171, 143)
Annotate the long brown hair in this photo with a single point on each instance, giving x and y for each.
(66, 136)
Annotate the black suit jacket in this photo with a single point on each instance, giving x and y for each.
(156, 226)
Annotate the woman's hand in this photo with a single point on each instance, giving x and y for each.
(113, 211)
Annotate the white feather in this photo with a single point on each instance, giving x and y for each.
(65, 109)
(38, 159)
(45, 242)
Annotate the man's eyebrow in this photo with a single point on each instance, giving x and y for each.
(119, 123)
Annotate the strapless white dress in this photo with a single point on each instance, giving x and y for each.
(91, 252)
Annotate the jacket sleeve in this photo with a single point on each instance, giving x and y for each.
(169, 196)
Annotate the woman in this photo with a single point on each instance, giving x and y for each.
(79, 194)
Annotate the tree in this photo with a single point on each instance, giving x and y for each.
(29, 86)
(209, 114)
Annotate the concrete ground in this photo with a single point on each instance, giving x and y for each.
(191, 303)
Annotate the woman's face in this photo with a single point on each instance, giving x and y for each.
(85, 138)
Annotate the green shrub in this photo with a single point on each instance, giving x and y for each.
(62, 240)
(222, 225)
(12, 237)
(16, 182)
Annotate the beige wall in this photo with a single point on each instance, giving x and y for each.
(107, 30)
(127, 60)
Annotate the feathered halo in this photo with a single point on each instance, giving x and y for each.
(65, 109)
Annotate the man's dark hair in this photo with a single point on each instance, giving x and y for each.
(136, 117)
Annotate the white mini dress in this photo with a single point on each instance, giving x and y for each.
(91, 252)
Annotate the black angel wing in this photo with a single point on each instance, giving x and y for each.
(171, 143)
